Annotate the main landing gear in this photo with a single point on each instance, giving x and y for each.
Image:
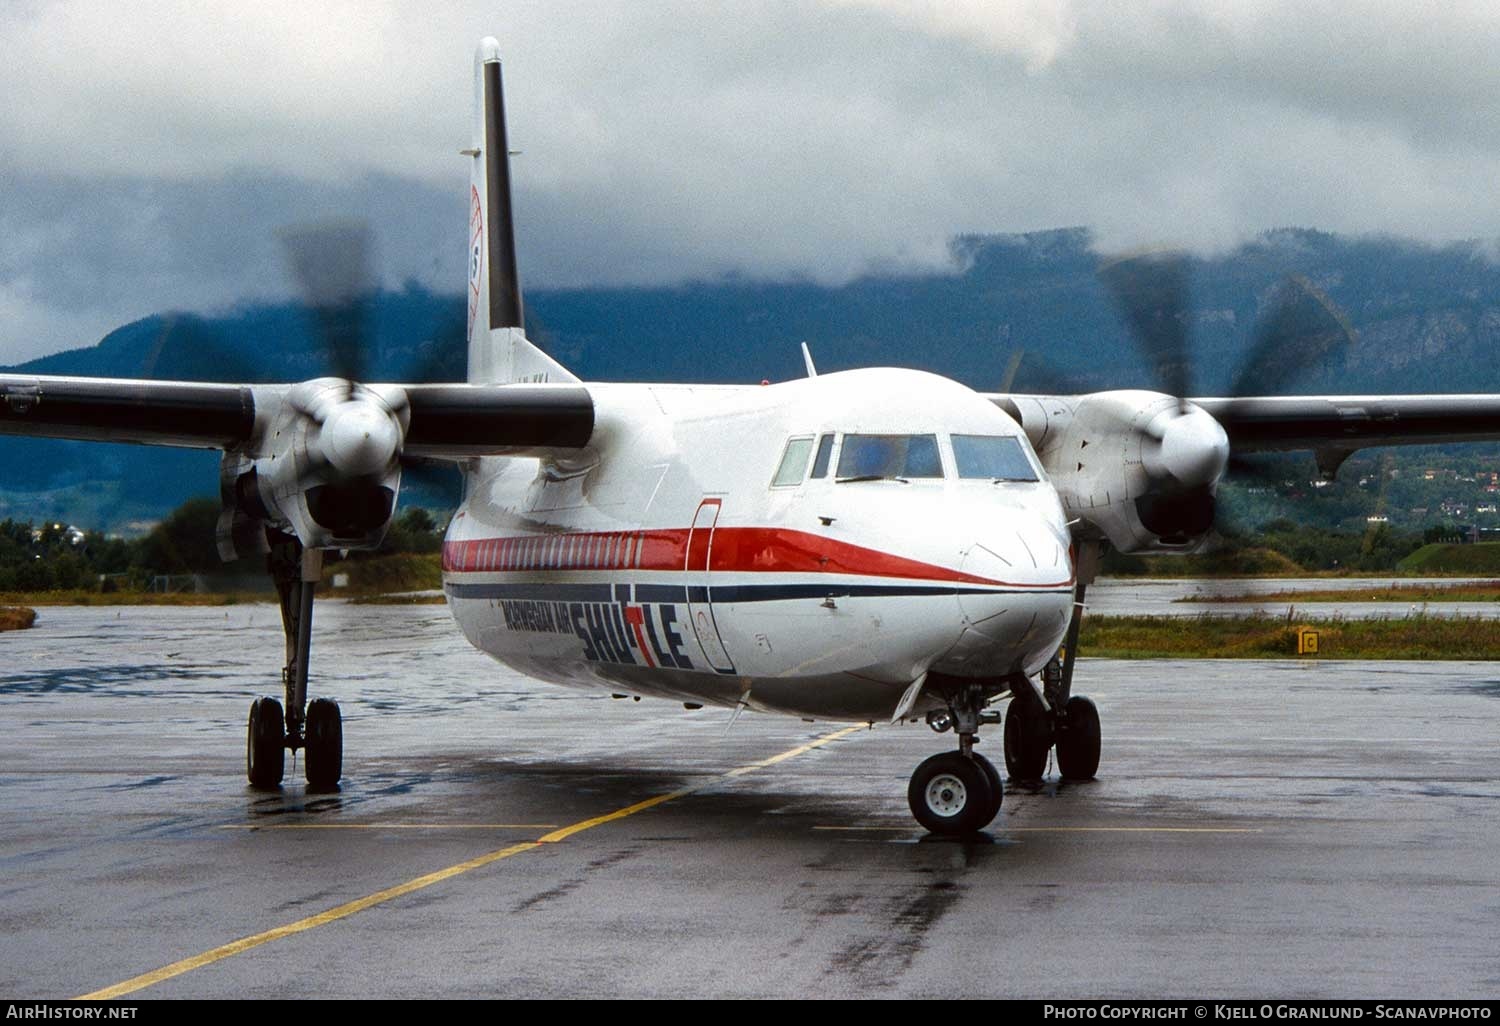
(1031, 731)
(1034, 725)
(316, 726)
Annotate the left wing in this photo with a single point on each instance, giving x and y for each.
(1142, 469)
(1335, 426)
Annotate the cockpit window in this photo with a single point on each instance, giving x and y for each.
(872, 457)
(996, 457)
(793, 463)
(825, 450)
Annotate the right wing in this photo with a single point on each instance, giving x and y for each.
(320, 460)
(447, 421)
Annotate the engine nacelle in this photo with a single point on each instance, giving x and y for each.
(1140, 469)
(324, 467)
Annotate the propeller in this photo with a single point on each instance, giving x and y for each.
(1300, 327)
(332, 263)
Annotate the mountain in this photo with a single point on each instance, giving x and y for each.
(1427, 320)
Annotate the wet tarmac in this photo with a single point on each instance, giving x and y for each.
(1257, 829)
(1128, 596)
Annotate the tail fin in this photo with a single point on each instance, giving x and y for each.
(498, 349)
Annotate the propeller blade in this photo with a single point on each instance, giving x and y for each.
(1151, 292)
(193, 350)
(1027, 373)
(442, 356)
(330, 262)
(1303, 329)
(1007, 382)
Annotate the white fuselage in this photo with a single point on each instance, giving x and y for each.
(666, 561)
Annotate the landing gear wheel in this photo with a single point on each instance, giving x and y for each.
(265, 744)
(1026, 741)
(325, 744)
(997, 789)
(950, 794)
(1078, 740)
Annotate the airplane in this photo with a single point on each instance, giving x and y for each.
(868, 545)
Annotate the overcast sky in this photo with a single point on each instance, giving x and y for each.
(150, 151)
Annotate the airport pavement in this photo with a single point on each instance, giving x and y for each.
(1257, 829)
(1147, 596)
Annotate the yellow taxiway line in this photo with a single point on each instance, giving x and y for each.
(344, 911)
(387, 826)
(1059, 829)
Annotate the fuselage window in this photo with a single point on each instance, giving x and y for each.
(793, 463)
(871, 457)
(997, 458)
(820, 462)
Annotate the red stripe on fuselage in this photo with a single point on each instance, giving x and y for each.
(735, 550)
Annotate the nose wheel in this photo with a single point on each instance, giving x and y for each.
(952, 793)
(956, 793)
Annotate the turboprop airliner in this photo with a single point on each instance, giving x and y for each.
(871, 545)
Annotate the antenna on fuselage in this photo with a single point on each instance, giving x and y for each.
(812, 371)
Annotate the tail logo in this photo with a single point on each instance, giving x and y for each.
(476, 254)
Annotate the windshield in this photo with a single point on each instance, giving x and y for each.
(872, 457)
(994, 457)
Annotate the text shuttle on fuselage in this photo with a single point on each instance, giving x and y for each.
(866, 545)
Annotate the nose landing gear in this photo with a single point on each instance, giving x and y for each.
(956, 793)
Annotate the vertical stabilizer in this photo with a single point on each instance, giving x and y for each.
(498, 348)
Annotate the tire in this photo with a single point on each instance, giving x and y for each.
(950, 795)
(265, 744)
(997, 788)
(1078, 740)
(1027, 738)
(325, 744)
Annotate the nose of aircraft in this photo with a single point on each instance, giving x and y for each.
(1024, 558)
(1019, 547)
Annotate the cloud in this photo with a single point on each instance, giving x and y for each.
(148, 157)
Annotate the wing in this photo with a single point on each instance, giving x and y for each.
(1332, 426)
(445, 421)
(320, 460)
(1347, 423)
(182, 413)
(1151, 486)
